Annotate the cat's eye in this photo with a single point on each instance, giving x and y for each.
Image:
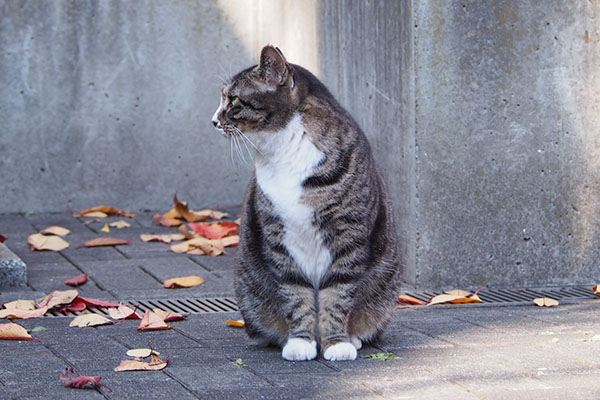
(235, 101)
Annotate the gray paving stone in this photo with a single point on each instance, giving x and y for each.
(12, 223)
(227, 376)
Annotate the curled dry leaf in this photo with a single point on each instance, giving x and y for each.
(39, 241)
(12, 331)
(162, 220)
(456, 296)
(107, 241)
(152, 322)
(56, 230)
(89, 320)
(78, 280)
(123, 312)
(238, 323)
(596, 289)
(169, 316)
(23, 314)
(136, 365)
(120, 224)
(2, 238)
(167, 238)
(183, 282)
(96, 302)
(105, 210)
(142, 353)
(545, 302)
(409, 300)
(215, 230)
(231, 241)
(57, 297)
(79, 381)
(105, 229)
(205, 246)
(78, 305)
(182, 211)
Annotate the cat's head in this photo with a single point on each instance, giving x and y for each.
(258, 99)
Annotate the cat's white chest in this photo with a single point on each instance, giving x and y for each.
(288, 158)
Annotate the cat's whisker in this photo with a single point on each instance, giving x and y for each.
(247, 139)
(239, 151)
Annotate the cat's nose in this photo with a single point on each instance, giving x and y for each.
(216, 123)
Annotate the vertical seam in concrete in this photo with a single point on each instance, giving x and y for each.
(414, 105)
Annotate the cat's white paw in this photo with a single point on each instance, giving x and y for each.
(299, 350)
(341, 351)
(356, 342)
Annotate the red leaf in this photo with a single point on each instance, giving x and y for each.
(107, 241)
(95, 302)
(2, 238)
(79, 381)
(78, 280)
(78, 305)
(217, 230)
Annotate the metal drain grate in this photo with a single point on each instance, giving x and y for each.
(182, 306)
(523, 296)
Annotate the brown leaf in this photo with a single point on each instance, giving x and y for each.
(183, 282)
(184, 212)
(207, 246)
(231, 241)
(239, 323)
(56, 298)
(137, 365)
(161, 220)
(39, 241)
(167, 238)
(545, 302)
(123, 312)
(409, 300)
(104, 209)
(152, 322)
(56, 230)
(78, 280)
(456, 296)
(2, 238)
(186, 232)
(96, 302)
(12, 331)
(23, 314)
(79, 381)
(107, 241)
(89, 320)
(596, 289)
(20, 305)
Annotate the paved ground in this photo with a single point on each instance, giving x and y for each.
(442, 352)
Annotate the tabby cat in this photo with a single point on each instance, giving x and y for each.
(318, 262)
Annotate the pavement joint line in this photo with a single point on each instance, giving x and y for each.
(195, 261)
(181, 383)
(151, 274)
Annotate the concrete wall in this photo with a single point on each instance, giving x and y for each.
(482, 114)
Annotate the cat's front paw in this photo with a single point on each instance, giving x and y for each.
(299, 350)
(341, 351)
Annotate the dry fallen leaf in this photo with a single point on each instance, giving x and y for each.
(142, 353)
(169, 222)
(167, 238)
(123, 312)
(23, 314)
(120, 224)
(183, 282)
(20, 305)
(78, 305)
(209, 247)
(79, 381)
(12, 331)
(107, 241)
(105, 229)
(545, 302)
(169, 316)
(56, 230)
(137, 365)
(96, 302)
(456, 296)
(78, 280)
(152, 322)
(215, 230)
(89, 320)
(409, 300)
(103, 209)
(56, 298)
(2, 238)
(95, 214)
(239, 323)
(39, 241)
(231, 241)
(596, 289)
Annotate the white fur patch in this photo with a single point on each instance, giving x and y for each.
(285, 160)
(297, 349)
(356, 342)
(341, 351)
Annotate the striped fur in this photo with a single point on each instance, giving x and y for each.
(318, 261)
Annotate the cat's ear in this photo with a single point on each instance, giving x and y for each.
(273, 67)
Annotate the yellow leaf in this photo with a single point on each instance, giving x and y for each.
(167, 238)
(441, 298)
(104, 210)
(239, 323)
(20, 305)
(141, 353)
(545, 302)
(120, 224)
(596, 289)
(39, 241)
(56, 230)
(232, 240)
(56, 298)
(23, 314)
(105, 228)
(95, 214)
(458, 293)
(12, 331)
(89, 320)
(184, 282)
(136, 365)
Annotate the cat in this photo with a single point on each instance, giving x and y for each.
(318, 265)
